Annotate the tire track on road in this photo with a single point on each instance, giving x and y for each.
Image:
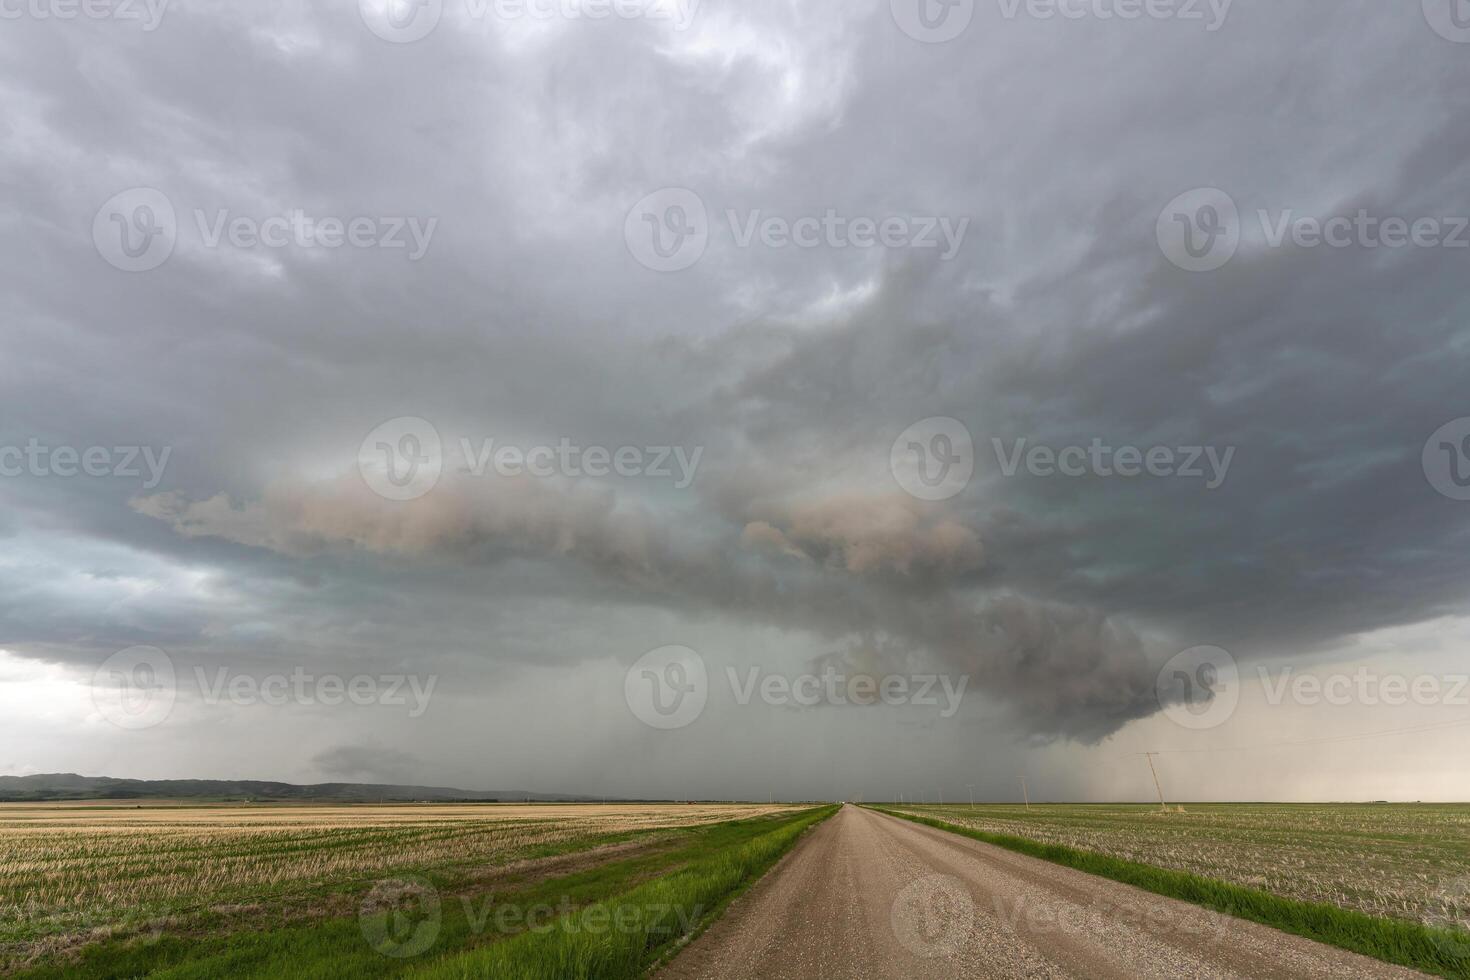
(869, 895)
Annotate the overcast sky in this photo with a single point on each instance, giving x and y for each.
(470, 355)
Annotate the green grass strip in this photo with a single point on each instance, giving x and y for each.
(1442, 952)
(622, 937)
(334, 947)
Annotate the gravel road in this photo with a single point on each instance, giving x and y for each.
(866, 895)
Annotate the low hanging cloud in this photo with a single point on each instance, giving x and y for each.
(520, 518)
(868, 535)
(1066, 671)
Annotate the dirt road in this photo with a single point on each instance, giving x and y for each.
(866, 895)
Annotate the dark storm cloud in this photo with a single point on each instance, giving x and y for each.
(1059, 322)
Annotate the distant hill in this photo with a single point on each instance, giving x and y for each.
(70, 786)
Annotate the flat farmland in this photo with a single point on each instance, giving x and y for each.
(94, 886)
(186, 890)
(1402, 861)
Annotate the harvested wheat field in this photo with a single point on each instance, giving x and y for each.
(1405, 861)
(72, 875)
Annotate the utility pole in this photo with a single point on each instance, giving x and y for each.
(1025, 795)
(1150, 757)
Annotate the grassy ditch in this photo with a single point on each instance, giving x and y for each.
(1442, 952)
(440, 915)
(625, 935)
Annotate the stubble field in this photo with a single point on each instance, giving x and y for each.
(119, 890)
(1404, 861)
(104, 890)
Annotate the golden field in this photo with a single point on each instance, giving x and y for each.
(71, 872)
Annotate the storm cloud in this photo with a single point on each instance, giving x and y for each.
(531, 318)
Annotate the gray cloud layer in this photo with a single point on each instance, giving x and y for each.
(1059, 322)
